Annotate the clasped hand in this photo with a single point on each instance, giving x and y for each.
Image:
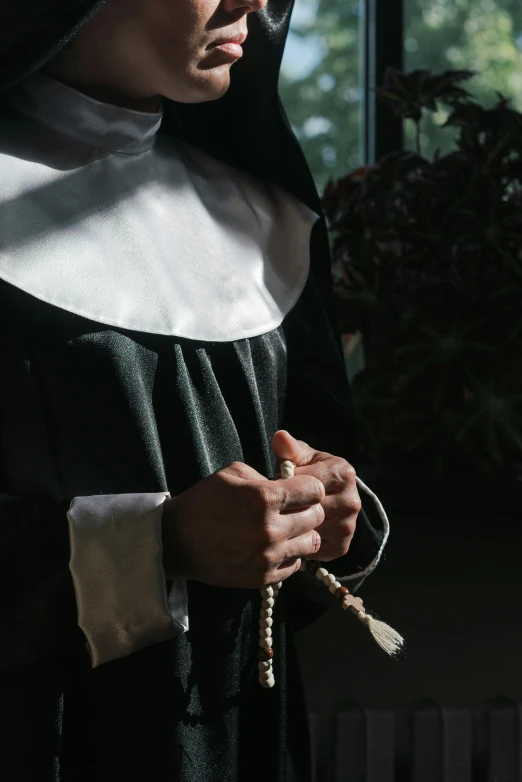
(236, 528)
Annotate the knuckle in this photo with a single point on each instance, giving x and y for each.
(350, 527)
(267, 496)
(347, 529)
(317, 489)
(268, 534)
(266, 561)
(239, 468)
(315, 542)
(344, 532)
(354, 504)
(345, 545)
(351, 503)
(345, 471)
(319, 514)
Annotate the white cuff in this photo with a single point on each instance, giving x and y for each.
(118, 576)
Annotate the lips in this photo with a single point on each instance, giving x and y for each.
(231, 39)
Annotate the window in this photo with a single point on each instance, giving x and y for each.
(321, 86)
(480, 35)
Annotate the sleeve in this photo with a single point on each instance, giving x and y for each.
(319, 410)
(72, 573)
(121, 591)
(101, 573)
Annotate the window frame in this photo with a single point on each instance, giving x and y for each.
(382, 46)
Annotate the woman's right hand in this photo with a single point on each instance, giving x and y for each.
(236, 528)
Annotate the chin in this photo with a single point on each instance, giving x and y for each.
(209, 85)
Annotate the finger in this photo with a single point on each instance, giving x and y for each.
(283, 571)
(287, 447)
(292, 525)
(341, 506)
(306, 545)
(333, 549)
(335, 474)
(243, 471)
(291, 494)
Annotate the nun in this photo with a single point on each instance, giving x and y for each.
(167, 341)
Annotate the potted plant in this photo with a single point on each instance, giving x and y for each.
(428, 269)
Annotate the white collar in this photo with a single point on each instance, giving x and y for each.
(103, 217)
(89, 121)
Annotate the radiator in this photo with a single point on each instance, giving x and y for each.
(428, 742)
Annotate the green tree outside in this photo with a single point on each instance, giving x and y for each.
(323, 98)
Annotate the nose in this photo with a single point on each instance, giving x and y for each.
(248, 6)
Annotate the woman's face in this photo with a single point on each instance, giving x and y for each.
(139, 49)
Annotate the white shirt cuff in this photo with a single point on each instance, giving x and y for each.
(118, 576)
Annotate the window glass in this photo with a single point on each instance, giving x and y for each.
(479, 35)
(320, 84)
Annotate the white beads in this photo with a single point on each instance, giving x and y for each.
(266, 622)
(268, 597)
(334, 587)
(329, 578)
(287, 469)
(322, 574)
(268, 683)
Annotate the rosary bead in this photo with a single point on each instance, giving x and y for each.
(268, 602)
(265, 654)
(330, 578)
(334, 587)
(265, 642)
(278, 585)
(265, 665)
(286, 469)
(267, 592)
(266, 612)
(266, 632)
(268, 684)
(341, 592)
(321, 573)
(266, 621)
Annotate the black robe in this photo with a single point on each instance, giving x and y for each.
(90, 409)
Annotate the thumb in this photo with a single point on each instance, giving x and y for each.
(287, 447)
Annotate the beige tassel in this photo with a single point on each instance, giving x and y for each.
(388, 639)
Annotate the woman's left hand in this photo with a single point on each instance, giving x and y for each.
(341, 503)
